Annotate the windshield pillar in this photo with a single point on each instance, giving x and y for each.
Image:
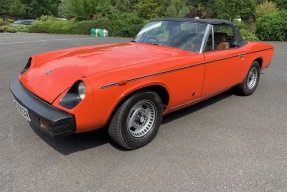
(205, 37)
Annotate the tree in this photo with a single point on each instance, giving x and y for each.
(150, 9)
(201, 12)
(85, 9)
(124, 5)
(177, 8)
(230, 9)
(265, 8)
(201, 3)
(281, 3)
(17, 8)
(34, 8)
(4, 7)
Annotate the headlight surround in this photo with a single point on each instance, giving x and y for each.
(27, 66)
(74, 96)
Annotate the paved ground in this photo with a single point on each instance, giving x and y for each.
(227, 143)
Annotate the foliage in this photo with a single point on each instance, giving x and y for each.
(36, 8)
(4, 7)
(265, 8)
(127, 17)
(124, 25)
(124, 5)
(2, 22)
(246, 30)
(240, 24)
(177, 8)
(13, 28)
(248, 35)
(17, 8)
(49, 24)
(65, 9)
(28, 8)
(248, 10)
(202, 3)
(230, 9)
(84, 27)
(201, 12)
(282, 4)
(85, 9)
(150, 9)
(272, 27)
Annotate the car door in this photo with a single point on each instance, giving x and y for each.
(224, 64)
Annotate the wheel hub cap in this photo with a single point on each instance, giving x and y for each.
(141, 118)
(252, 78)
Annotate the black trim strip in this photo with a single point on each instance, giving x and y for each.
(259, 51)
(208, 62)
(164, 72)
(178, 69)
(151, 75)
(108, 85)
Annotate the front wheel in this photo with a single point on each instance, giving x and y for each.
(248, 86)
(136, 122)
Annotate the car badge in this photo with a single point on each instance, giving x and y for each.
(49, 72)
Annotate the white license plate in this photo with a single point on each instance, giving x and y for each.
(23, 110)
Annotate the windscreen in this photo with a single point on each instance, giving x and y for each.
(183, 35)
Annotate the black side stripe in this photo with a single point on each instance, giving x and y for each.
(259, 50)
(177, 69)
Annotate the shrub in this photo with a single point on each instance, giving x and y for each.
(246, 30)
(38, 27)
(126, 25)
(272, 27)
(62, 27)
(52, 26)
(122, 25)
(240, 24)
(84, 27)
(46, 18)
(2, 22)
(265, 8)
(14, 28)
(248, 35)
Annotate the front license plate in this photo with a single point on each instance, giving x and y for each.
(22, 110)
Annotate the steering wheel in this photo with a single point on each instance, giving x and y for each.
(152, 40)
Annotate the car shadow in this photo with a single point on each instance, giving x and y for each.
(76, 142)
(84, 141)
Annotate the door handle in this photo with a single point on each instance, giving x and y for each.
(241, 55)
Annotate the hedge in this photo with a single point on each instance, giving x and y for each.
(14, 28)
(123, 25)
(84, 27)
(272, 27)
(53, 26)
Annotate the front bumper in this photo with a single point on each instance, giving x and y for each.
(56, 122)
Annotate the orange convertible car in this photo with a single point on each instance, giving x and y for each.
(128, 87)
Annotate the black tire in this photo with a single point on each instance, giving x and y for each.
(136, 122)
(248, 86)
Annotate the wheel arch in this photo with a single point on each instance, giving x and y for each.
(260, 61)
(160, 89)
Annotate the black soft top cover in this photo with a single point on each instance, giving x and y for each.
(237, 35)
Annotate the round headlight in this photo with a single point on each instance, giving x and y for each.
(82, 90)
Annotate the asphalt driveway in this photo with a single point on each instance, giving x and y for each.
(227, 143)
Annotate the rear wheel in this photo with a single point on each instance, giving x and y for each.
(248, 86)
(137, 120)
